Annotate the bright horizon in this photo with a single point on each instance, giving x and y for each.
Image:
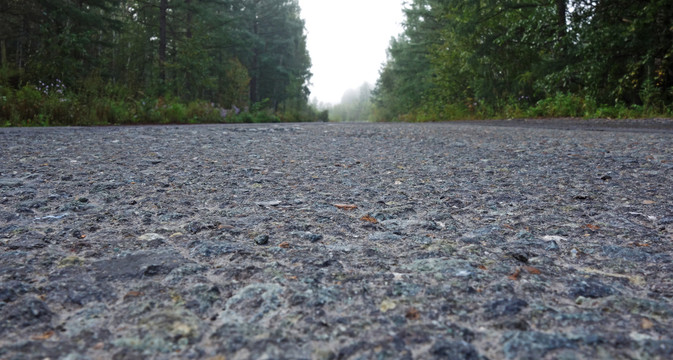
(347, 41)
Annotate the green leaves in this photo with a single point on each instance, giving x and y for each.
(474, 58)
(213, 50)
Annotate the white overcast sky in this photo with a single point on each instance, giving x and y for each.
(347, 40)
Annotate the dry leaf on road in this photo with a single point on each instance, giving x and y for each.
(346, 206)
(370, 219)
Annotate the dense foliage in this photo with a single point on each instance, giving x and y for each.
(147, 61)
(479, 58)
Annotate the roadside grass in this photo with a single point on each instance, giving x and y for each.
(52, 104)
(560, 105)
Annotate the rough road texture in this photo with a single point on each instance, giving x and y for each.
(507, 240)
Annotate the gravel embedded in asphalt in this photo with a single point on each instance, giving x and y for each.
(524, 239)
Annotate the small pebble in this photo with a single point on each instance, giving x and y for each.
(262, 239)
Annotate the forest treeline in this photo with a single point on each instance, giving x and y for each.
(76, 62)
(355, 105)
(515, 58)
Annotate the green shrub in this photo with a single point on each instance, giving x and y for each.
(607, 112)
(106, 111)
(6, 108)
(254, 117)
(513, 111)
(28, 101)
(560, 105)
(57, 111)
(202, 111)
(174, 113)
(323, 116)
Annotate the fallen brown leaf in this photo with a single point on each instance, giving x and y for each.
(284, 245)
(370, 219)
(482, 267)
(43, 336)
(532, 270)
(648, 202)
(646, 324)
(515, 275)
(346, 206)
(413, 314)
(592, 227)
(133, 294)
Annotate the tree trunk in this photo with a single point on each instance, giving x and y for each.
(561, 13)
(21, 43)
(163, 7)
(3, 54)
(189, 19)
(188, 35)
(255, 67)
